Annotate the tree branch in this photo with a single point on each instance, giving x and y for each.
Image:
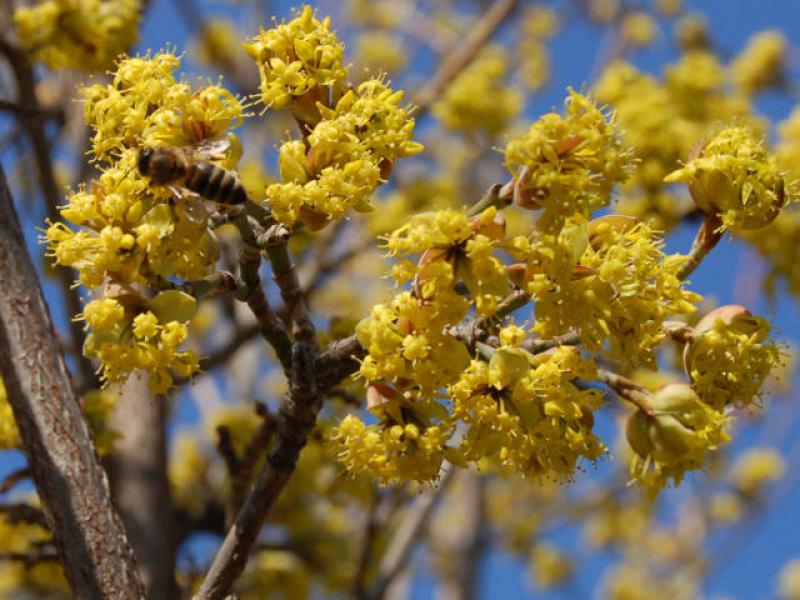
(296, 420)
(137, 468)
(94, 550)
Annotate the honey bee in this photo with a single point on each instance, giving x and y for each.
(191, 168)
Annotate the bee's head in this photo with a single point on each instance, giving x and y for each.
(143, 164)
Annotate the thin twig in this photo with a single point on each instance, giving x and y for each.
(367, 546)
(708, 235)
(13, 478)
(538, 346)
(21, 512)
(30, 559)
(56, 114)
(458, 60)
(627, 389)
(407, 535)
(271, 328)
(296, 420)
(254, 450)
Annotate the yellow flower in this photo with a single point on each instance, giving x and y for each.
(41, 577)
(638, 29)
(351, 151)
(726, 507)
(568, 165)
(550, 567)
(524, 411)
(673, 437)
(762, 63)
(735, 177)
(79, 34)
(478, 99)
(669, 8)
(755, 468)
(379, 52)
(103, 314)
(297, 58)
(729, 357)
(540, 22)
(611, 281)
(391, 452)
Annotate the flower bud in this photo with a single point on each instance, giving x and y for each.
(729, 356)
(734, 177)
(676, 430)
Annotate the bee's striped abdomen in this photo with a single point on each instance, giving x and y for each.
(215, 183)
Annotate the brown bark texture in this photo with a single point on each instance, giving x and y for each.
(72, 486)
(137, 468)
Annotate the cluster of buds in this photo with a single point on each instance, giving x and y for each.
(727, 356)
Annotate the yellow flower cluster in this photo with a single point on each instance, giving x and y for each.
(789, 580)
(672, 436)
(762, 63)
(779, 246)
(9, 434)
(405, 338)
(453, 248)
(754, 469)
(663, 121)
(478, 99)
(218, 43)
(610, 280)
(131, 232)
(549, 566)
(638, 578)
(735, 177)
(411, 356)
(638, 29)
(538, 24)
(129, 333)
(729, 356)
(568, 165)
(350, 151)
(297, 60)
(525, 412)
(410, 451)
(80, 34)
(18, 578)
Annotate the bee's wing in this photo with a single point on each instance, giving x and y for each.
(191, 205)
(210, 149)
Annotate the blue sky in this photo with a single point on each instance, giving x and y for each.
(751, 574)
